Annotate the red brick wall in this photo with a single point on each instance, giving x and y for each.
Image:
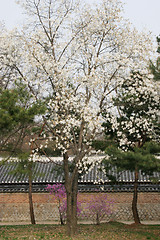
(126, 197)
(14, 206)
(44, 197)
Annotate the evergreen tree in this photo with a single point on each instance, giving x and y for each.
(17, 117)
(155, 70)
(18, 113)
(136, 131)
(26, 167)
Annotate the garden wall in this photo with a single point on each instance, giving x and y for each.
(14, 206)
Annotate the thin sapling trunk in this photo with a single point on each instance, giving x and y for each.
(30, 196)
(135, 199)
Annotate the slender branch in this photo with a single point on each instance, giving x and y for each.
(75, 142)
(44, 70)
(65, 48)
(81, 134)
(40, 19)
(24, 78)
(105, 88)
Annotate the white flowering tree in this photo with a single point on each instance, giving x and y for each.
(75, 56)
(136, 131)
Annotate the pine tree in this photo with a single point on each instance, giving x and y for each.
(155, 68)
(26, 167)
(143, 159)
(136, 131)
(17, 117)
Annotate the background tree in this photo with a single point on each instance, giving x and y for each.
(136, 130)
(17, 117)
(26, 167)
(18, 114)
(75, 56)
(155, 68)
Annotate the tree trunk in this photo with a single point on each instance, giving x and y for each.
(97, 219)
(30, 196)
(72, 208)
(74, 202)
(135, 198)
(61, 219)
(71, 186)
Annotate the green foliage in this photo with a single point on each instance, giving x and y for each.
(11, 148)
(138, 106)
(155, 68)
(9, 111)
(101, 144)
(143, 158)
(23, 166)
(18, 113)
(50, 152)
(133, 101)
(17, 108)
(108, 128)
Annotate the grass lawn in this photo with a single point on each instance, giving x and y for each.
(108, 231)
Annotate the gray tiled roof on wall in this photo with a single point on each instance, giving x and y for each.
(44, 173)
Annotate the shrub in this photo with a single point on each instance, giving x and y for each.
(59, 193)
(99, 207)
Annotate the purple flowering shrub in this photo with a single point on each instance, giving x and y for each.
(59, 194)
(99, 207)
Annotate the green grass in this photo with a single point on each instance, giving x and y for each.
(107, 231)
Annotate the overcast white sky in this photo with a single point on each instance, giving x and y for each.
(142, 13)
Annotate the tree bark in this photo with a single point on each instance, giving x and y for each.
(97, 219)
(71, 186)
(74, 201)
(135, 199)
(72, 212)
(61, 219)
(60, 214)
(30, 196)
